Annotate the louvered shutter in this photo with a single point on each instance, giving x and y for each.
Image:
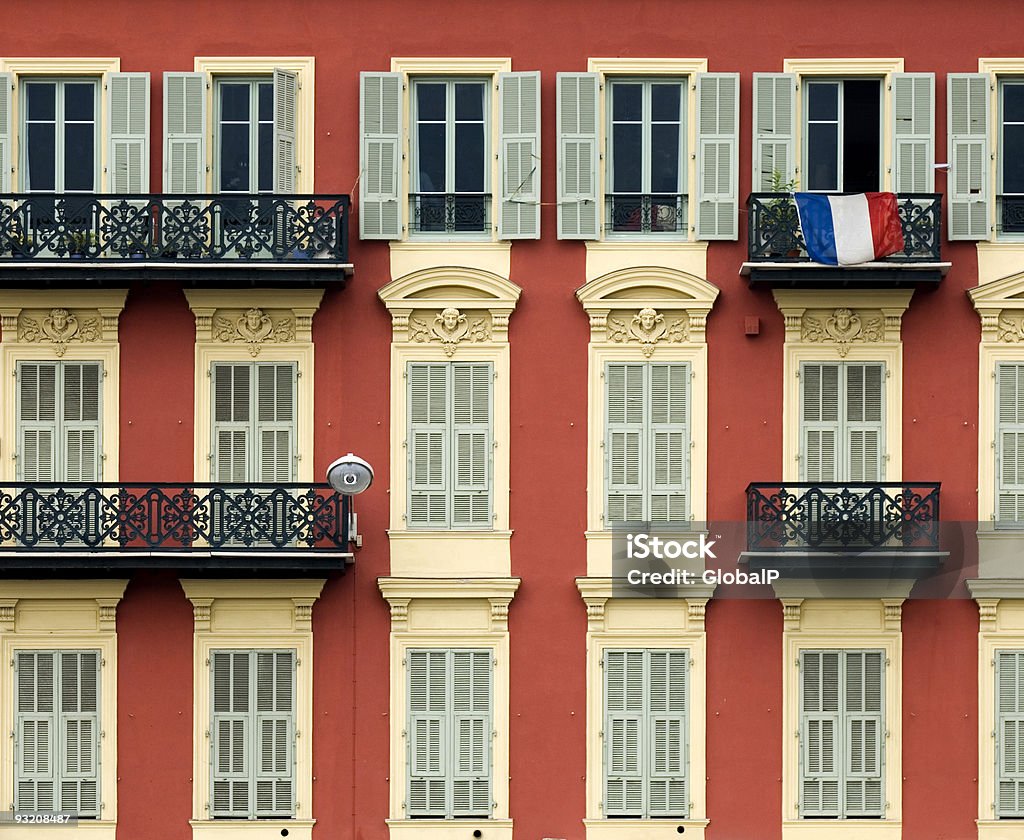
(669, 436)
(913, 118)
(231, 724)
(520, 156)
(37, 422)
(428, 733)
(35, 732)
(286, 91)
(471, 443)
(428, 444)
(718, 117)
(1010, 443)
(184, 132)
(774, 129)
(1010, 733)
(666, 739)
(865, 452)
(6, 132)
(863, 793)
(821, 734)
(819, 422)
(625, 674)
(274, 748)
(577, 110)
(80, 420)
(625, 452)
(274, 431)
(232, 422)
(128, 106)
(471, 730)
(78, 731)
(967, 105)
(380, 164)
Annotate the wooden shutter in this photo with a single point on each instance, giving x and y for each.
(625, 679)
(286, 91)
(774, 129)
(577, 110)
(1009, 733)
(520, 156)
(666, 736)
(274, 747)
(128, 107)
(968, 150)
(184, 132)
(80, 384)
(471, 387)
(428, 444)
(471, 731)
(819, 422)
(428, 733)
(35, 786)
(718, 116)
(37, 432)
(231, 758)
(864, 791)
(274, 431)
(864, 422)
(232, 422)
(913, 118)
(821, 733)
(1010, 443)
(79, 731)
(6, 132)
(380, 153)
(669, 442)
(626, 387)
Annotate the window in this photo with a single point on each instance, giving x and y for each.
(842, 732)
(245, 135)
(646, 734)
(1010, 733)
(60, 131)
(450, 730)
(1010, 444)
(57, 731)
(1011, 157)
(844, 135)
(450, 444)
(647, 446)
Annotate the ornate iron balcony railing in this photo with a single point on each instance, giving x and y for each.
(773, 232)
(664, 213)
(451, 212)
(256, 228)
(801, 516)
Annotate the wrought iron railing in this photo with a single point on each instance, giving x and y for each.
(177, 228)
(774, 228)
(1011, 213)
(451, 212)
(645, 213)
(801, 516)
(146, 517)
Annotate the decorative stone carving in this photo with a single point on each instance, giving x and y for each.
(893, 612)
(792, 613)
(499, 614)
(843, 328)
(988, 612)
(695, 612)
(449, 327)
(647, 327)
(59, 327)
(253, 327)
(1011, 330)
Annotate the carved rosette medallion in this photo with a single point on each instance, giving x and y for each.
(450, 328)
(648, 328)
(253, 327)
(59, 327)
(843, 328)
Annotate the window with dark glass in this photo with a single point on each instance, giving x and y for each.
(245, 141)
(59, 135)
(1011, 157)
(843, 145)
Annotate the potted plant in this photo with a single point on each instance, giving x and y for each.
(81, 242)
(781, 222)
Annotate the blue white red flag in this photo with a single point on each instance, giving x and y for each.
(850, 229)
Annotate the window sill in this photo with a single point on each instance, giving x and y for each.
(92, 829)
(660, 829)
(620, 252)
(492, 829)
(455, 554)
(842, 829)
(262, 829)
(1000, 829)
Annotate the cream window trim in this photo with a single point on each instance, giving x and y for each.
(996, 67)
(842, 623)
(412, 257)
(23, 340)
(846, 67)
(448, 614)
(222, 336)
(620, 255)
(54, 615)
(875, 337)
(305, 107)
(644, 623)
(252, 614)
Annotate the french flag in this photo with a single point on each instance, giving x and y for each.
(849, 229)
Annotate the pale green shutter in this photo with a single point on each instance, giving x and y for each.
(184, 132)
(231, 751)
(864, 422)
(913, 104)
(471, 731)
(128, 107)
(774, 129)
(286, 91)
(718, 117)
(35, 721)
(274, 431)
(37, 431)
(819, 422)
(625, 452)
(80, 420)
(6, 132)
(821, 733)
(232, 422)
(380, 164)
(471, 389)
(577, 110)
(625, 678)
(1010, 443)
(274, 746)
(669, 442)
(427, 734)
(520, 156)
(1009, 734)
(967, 105)
(78, 731)
(666, 737)
(428, 444)
(864, 733)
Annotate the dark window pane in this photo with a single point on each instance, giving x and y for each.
(627, 102)
(266, 101)
(862, 153)
(626, 158)
(41, 101)
(234, 102)
(823, 101)
(1013, 159)
(469, 101)
(79, 156)
(234, 158)
(469, 158)
(665, 103)
(78, 101)
(822, 150)
(431, 154)
(42, 156)
(430, 101)
(266, 157)
(664, 158)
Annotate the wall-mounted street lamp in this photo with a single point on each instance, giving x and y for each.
(350, 475)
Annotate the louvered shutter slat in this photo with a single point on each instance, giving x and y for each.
(864, 422)
(913, 119)
(471, 387)
(774, 129)
(670, 450)
(968, 123)
(286, 89)
(625, 707)
(863, 763)
(6, 131)
(79, 732)
(36, 715)
(471, 724)
(625, 451)
(429, 442)
(1010, 443)
(428, 733)
(718, 116)
(820, 422)
(80, 391)
(667, 690)
(1009, 734)
(232, 422)
(128, 106)
(275, 431)
(37, 421)
(820, 733)
(380, 181)
(231, 724)
(184, 132)
(520, 156)
(275, 733)
(577, 110)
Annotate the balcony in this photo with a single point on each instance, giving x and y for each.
(97, 527)
(451, 213)
(776, 255)
(79, 237)
(844, 530)
(634, 213)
